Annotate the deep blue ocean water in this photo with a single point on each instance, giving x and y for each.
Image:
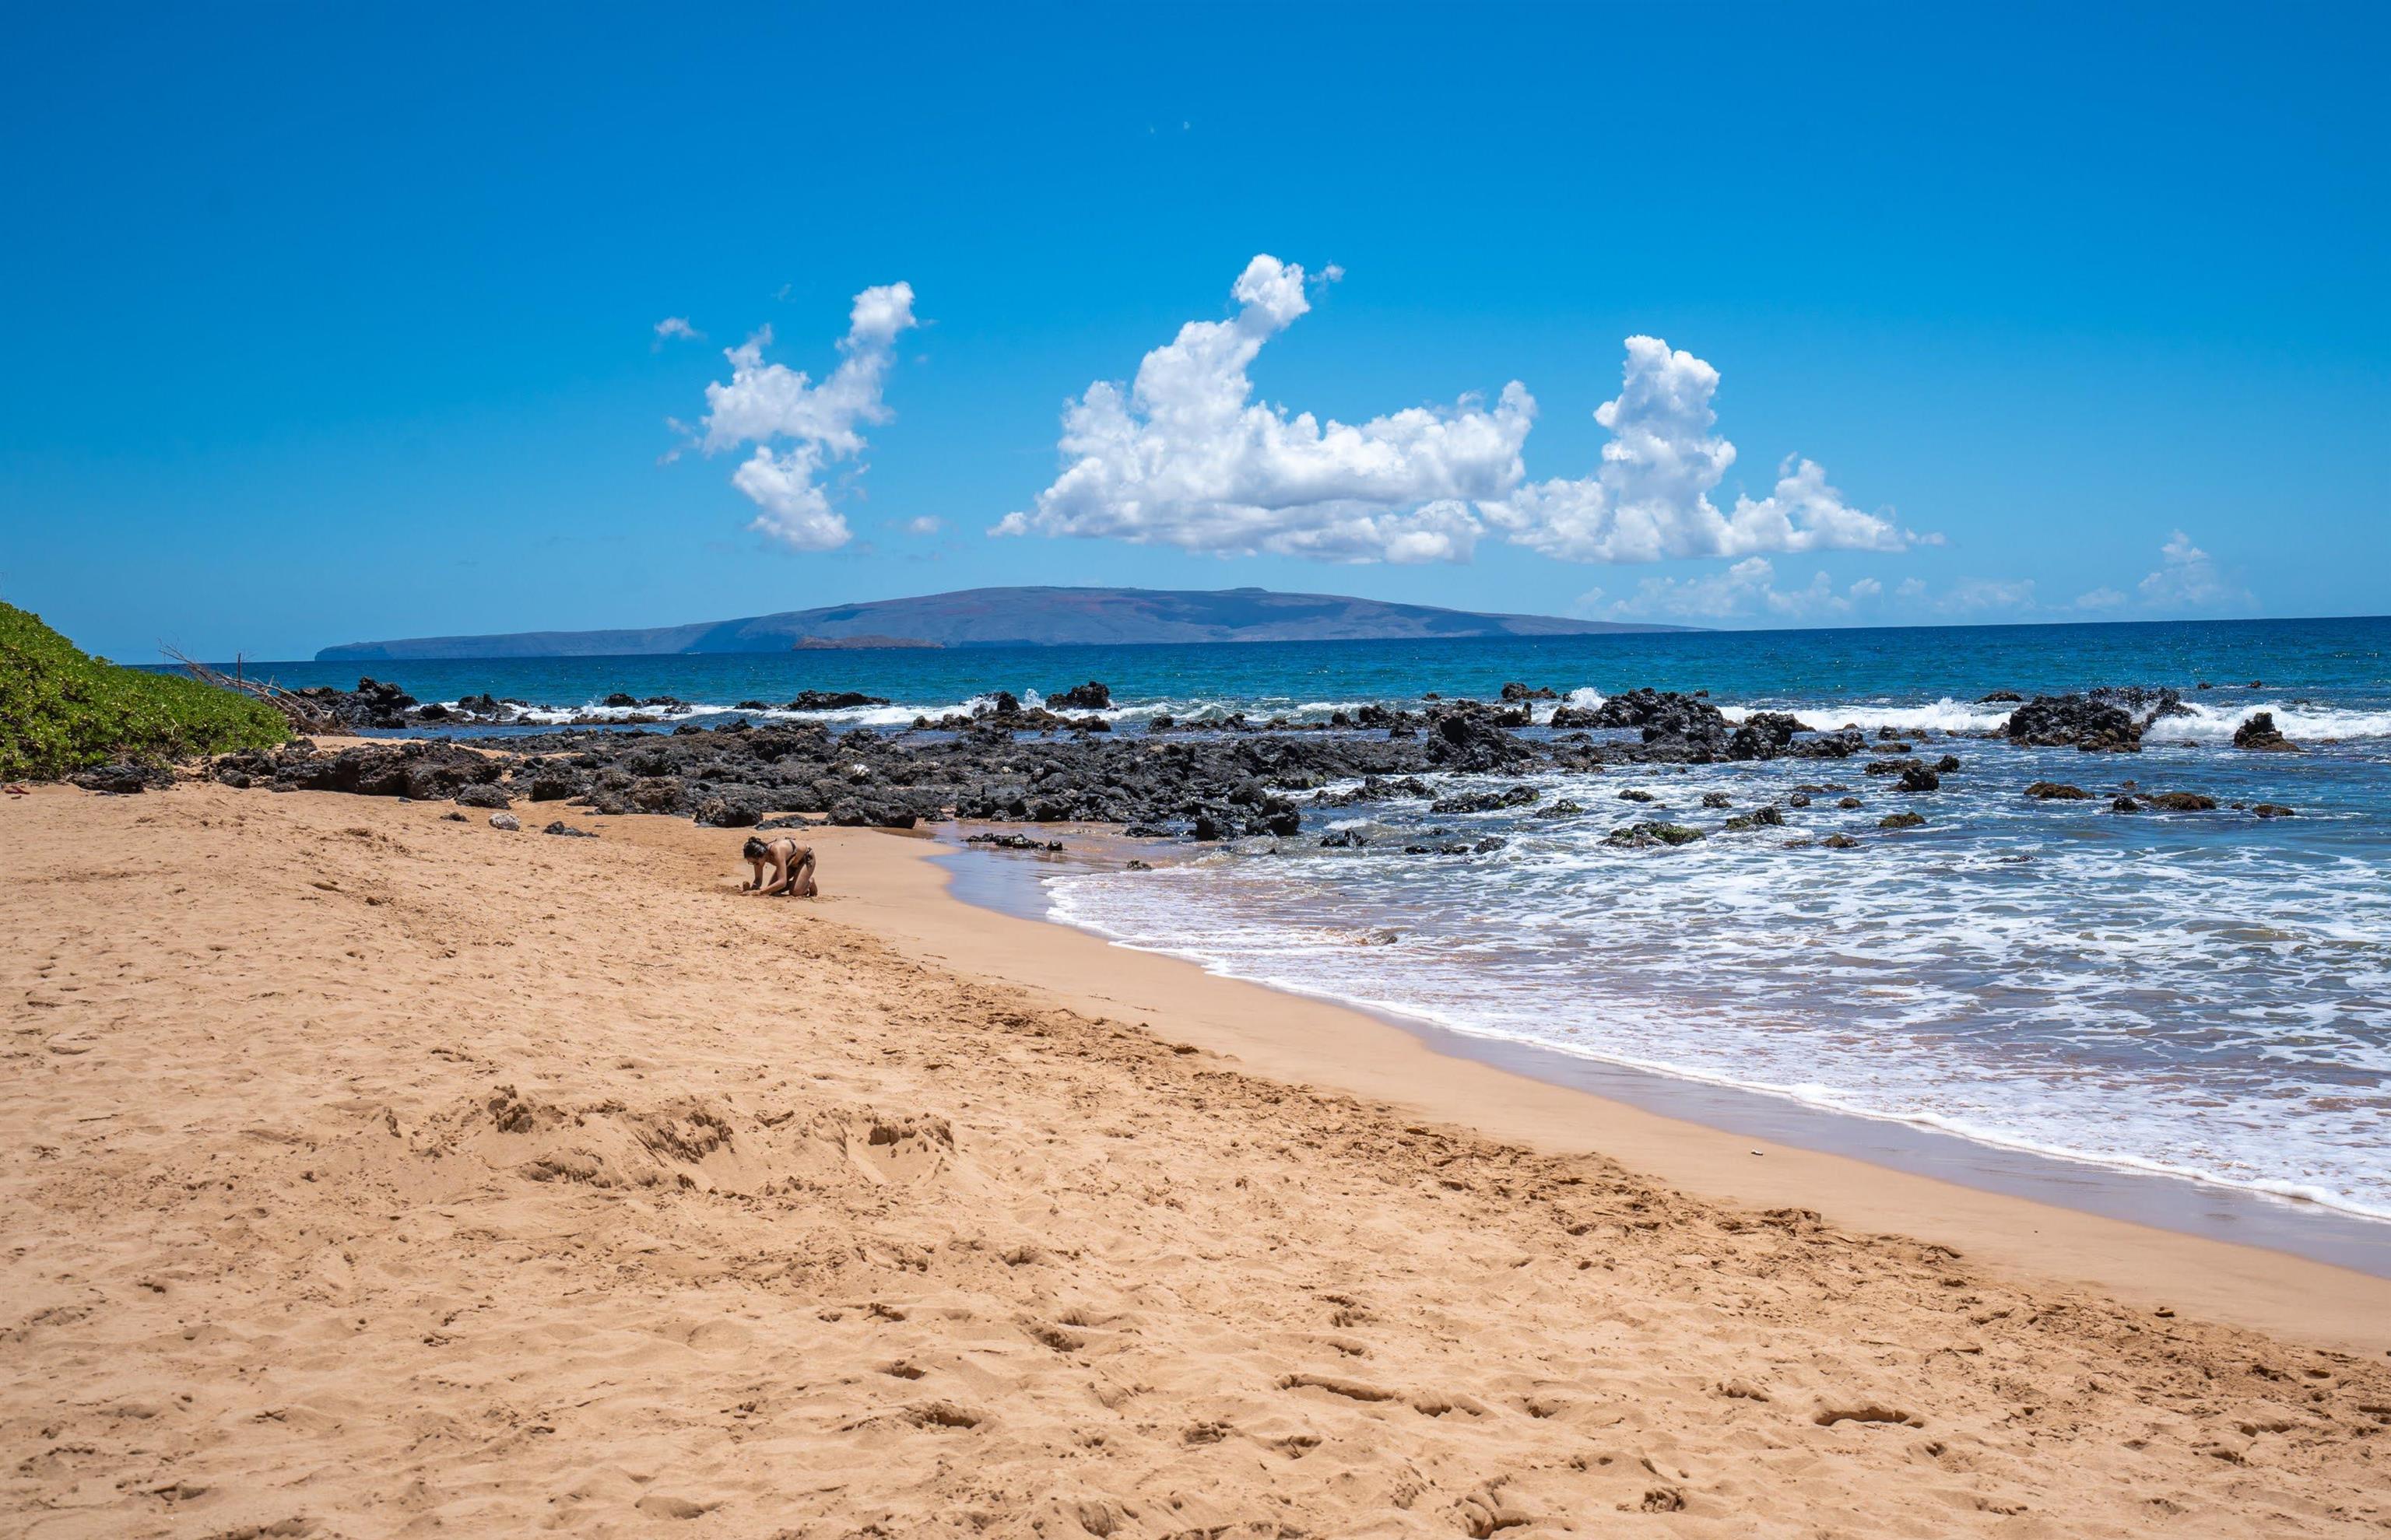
(2205, 995)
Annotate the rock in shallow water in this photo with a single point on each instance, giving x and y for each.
(826, 700)
(2258, 733)
(2076, 721)
(1485, 802)
(1013, 842)
(1648, 833)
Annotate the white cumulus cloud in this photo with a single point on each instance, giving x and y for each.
(675, 326)
(1979, 595)
(2186, 577)
(1650, 500)
(800, 427)
(1183, 454)
(1746, 589)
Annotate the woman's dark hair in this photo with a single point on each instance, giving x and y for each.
(754, 849)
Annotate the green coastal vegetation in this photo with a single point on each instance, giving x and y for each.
(62, 710)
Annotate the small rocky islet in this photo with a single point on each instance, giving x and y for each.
(1219, 778)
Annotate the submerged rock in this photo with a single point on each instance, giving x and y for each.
(1458, 847)
(1014, 842)
(1644, 834)
(1485, 802)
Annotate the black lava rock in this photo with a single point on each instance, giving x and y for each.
(2260, 734)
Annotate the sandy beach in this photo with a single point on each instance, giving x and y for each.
(379, 1174)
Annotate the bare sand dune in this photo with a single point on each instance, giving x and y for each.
(373, 1173)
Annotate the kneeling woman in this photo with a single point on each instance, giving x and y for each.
(791, 867)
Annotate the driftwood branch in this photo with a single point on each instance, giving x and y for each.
(303, 715)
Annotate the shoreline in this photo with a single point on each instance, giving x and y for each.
(1004, 882)
(386, 1171)
(905, 889)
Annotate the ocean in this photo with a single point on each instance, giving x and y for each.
(2203, 995)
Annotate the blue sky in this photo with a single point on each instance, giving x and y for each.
(340, 323)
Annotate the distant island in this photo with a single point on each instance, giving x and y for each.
(1010, 617)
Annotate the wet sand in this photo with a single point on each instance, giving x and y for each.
(1014, 884)
(380, 1174)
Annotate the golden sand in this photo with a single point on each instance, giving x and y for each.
(377, 1173)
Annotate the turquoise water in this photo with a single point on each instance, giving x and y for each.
(2203, 995)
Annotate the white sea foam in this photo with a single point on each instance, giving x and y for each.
(2297, 720)
(2203, 722)
(1586, 698)
(1942, 716)
(2203, 997)
(594, 713)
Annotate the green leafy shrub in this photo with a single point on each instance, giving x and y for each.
(62, 709)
